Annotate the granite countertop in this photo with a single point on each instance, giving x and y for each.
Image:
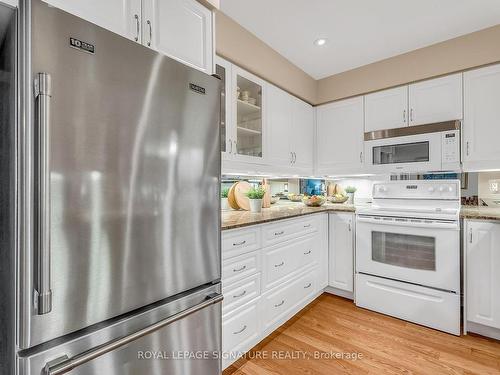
(237, 219)
(480, 213)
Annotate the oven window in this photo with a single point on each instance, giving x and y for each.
(401, 153)
(404, 250)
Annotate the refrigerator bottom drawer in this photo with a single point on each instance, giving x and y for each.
(186, 343)
(429, 307)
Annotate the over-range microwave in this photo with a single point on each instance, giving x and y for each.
(422, 148)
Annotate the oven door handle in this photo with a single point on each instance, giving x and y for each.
(413, 223)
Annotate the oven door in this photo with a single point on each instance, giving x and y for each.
(413, 153)
(419, 251)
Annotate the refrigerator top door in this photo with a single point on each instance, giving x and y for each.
(130, 211)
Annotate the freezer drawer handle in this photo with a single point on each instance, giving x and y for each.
(43, 293)
(65, 364)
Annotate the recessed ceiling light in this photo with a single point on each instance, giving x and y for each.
(320, 42)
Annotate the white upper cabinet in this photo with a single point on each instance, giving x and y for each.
(302, 136)
(120, 16)
(386, 109)
(181, 29)
(341, 251)
(223, 70)
(436, 100)
(481, 128)
(279, 122)
(483, 273)
(339, 128)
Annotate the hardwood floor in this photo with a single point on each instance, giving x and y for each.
(384, 345)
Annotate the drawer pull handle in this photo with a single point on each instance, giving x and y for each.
(307, 226)
(241, 294)
(239, 269)
(239, 243)
(279, 265)
(280, 304)
(307, 286)
(307, 252)
(279, 233)
(240, 331)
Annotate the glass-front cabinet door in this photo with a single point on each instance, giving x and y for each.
(248, 106)
(227, 140)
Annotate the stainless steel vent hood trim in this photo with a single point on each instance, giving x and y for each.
(413, 130)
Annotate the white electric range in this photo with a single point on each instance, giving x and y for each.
(408, 252)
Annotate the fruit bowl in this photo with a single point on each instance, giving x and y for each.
(274, 199)
(314, 200)
(338, 199)
(295, 197)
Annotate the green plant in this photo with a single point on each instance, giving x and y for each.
(256, 193)
(224, 193)
(350, 189)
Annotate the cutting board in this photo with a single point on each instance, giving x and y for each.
(231, 199)
(240, 190)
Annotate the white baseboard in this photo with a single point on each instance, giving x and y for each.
(339, 292)
(483, 330)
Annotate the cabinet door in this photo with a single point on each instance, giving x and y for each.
(339, 134)
(302, 136)
(120, 16)
(436, 100)
(248, 106)
(481, 130)
(483, 273)
(279, 125)
(341, 250)
(386, 109)
(181, 29)
(227, 140)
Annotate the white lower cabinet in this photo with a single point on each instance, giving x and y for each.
(269, 272)
(341, 251)
(482, 277)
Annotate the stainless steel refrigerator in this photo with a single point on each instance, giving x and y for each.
(114, 227)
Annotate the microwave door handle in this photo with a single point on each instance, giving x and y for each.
(43, 292)
(64, 364)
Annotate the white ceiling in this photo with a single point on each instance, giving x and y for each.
(359, 32)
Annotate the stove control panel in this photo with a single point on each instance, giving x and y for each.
(431, 189)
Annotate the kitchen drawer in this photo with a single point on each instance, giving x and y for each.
(240, 241)
(288, 229)
(237, 268)
(241, 292)
(282, 260)
(241, 329)
(417, 304)
(277, 305)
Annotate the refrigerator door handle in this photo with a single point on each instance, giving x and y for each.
(64, 364)
(43, 293)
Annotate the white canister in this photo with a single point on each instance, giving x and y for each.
(350, 197)
(255, 205)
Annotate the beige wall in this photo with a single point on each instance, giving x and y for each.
(465, 52)
(241, 47)
(238, 45)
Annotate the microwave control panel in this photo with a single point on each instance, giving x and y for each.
(451, 148)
